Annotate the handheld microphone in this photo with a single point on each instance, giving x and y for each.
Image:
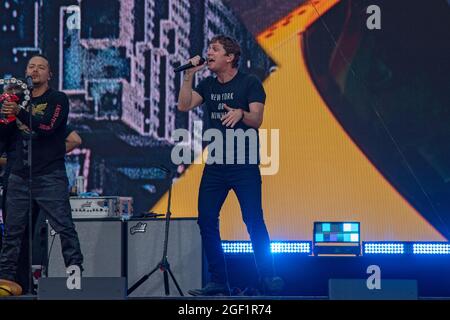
(29, 81)
(175, 173)
(189, 65)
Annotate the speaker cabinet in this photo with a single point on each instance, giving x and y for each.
(356, 289)
(131, 249)
(90, 289)
(103, 245)
(145, 251)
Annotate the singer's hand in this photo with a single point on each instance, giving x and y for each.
(10, 108)
(196, 62)
(232, 117)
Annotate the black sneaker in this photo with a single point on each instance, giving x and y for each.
(211, 289)
(272, 286)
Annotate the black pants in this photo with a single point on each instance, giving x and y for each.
(216, 182)
(50, 193)
(39, 243)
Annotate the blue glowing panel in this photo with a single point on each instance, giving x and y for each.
(350, 227)
(384, 248)
(242, 247)
(431, 248)
(336, 232)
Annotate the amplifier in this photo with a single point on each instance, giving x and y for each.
(131, 249)
(112, 288)
(101, 207)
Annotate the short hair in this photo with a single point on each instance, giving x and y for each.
(40, 55)
(230, 45)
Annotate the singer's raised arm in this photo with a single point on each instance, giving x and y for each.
(188, 99)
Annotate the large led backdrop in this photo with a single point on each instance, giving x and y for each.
(362, 114)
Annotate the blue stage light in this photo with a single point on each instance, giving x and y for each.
(236, 247)
(431, 248)
(383, 248)
(291, 247)
(369, 248)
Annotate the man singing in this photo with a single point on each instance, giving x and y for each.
(49, 190)
(234, 100)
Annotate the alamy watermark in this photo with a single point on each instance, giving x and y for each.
(74, 277)
(374, 20)
(237, 146)
(74, 19)
(374, 280)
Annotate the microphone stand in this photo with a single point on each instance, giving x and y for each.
(30, 195)
(163, 265)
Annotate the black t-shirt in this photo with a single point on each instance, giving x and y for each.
(239, 92)
(49, 121)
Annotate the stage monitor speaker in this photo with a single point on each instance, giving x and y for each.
(112, 248)
(103, 245)
(356, 289)
(145, 251)
(90, 289)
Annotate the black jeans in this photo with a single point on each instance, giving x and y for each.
(51, 195)
(216, 182)
(39, 242)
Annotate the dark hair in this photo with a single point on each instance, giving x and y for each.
(43, 57)
(230, 45)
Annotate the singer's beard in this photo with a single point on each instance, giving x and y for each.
(40, 84)
(37, 82)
